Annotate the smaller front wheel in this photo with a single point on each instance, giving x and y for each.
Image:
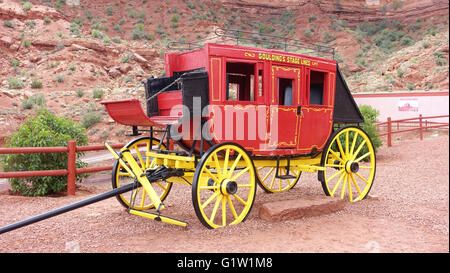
(224, 186)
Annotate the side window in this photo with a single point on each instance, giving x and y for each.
(240, 81)
(285, 92)
(316, 87)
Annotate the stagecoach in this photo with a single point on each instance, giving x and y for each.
(227, 118)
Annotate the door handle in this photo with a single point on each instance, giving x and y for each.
(299, 111)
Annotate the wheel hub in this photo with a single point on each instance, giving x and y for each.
(351, 166)
(228, 187)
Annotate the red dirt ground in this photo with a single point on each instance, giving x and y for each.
(407, 211)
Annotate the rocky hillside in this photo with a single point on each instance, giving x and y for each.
(70, 54)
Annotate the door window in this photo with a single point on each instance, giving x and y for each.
(316, 87)
(285, 93)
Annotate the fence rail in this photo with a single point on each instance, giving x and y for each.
(419, 123)
(71, 170)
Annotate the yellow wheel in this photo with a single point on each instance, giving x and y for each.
(120, 177)
(224, 186)
(270, 184)
(349, 161)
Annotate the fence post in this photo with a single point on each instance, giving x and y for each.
(71, 167)
(389, 130)
(420, 127)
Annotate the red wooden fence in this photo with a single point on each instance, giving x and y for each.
(71, 170)
(411, 124)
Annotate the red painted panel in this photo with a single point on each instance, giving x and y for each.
(170, 101)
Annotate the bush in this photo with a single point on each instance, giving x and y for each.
(43, 130)
(139, 32)
(26, 6)
(97, 93)
(36, 84)
(15, 83)
(90, 120)
(370, 115)
(36, 99)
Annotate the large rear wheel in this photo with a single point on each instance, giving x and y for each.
(349, 161)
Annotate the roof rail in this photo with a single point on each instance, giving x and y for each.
(242, 37)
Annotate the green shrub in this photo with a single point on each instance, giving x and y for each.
(8, 24)
(309, 33)
(74, 29)
(312, 17)
(26, 43)
(439, 58)
(97, 34)
(80, 92)
(26, 6)
(97, 93)
(43, 130)
(36, 99)
(47, 20)
(407, 41)
(139, 32)
(15, 83)
(36, 84)
(370, 115)
(90, 119)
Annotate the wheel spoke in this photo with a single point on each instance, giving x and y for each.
(359, 149)
(216, 206)
(236, 161)
(144, 194)
(346, 144)
(337, 184)
(217, 163)
(224, 211)
(334, 175)
(349, 188)
(356, 184)
(271, 182)
(334, 165)
(240, 199)
(230, 203)
(362, 157)
(267, 175)
(212, 197)
(225, 164)
(160, 185)
(208, 172)
(337, 156)
(362, 178)
(239, 174)
(343, 186)
(139, 156)
(353, 144)
(340, 148)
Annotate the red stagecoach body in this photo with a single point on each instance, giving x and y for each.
(270, 102)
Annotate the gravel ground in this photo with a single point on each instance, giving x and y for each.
(407, 211)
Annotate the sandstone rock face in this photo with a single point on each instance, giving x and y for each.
(299, 208)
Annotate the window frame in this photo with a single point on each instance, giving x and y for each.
(326, 87)
(257, 99)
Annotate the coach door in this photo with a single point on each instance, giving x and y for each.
(284, 101)
(317, 110)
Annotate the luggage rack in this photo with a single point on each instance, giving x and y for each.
(241, 37)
